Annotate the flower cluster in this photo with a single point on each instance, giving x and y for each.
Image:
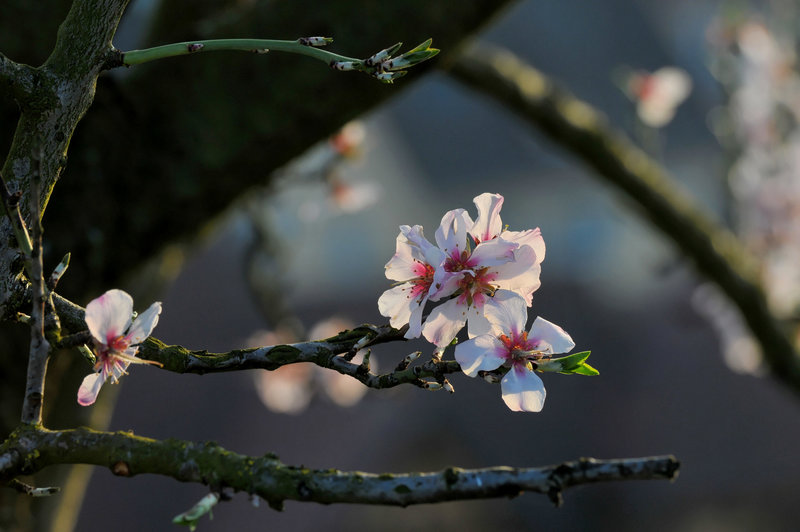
(483, 276)
(116, 339)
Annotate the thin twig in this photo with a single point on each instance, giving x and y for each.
(40, 347)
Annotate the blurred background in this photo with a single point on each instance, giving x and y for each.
(312, 244)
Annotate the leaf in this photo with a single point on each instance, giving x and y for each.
(585, 369)
(572, 361)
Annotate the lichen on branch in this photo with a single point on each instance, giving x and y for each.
(30, 449)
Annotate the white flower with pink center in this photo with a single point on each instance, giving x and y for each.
(412, 266)
(473, 276)
(116, 339)
(508, 344)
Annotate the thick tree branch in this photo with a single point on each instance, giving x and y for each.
(582, 131)
(23, 83)
(65, 85)
(31, 449)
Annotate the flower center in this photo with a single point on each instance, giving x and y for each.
(118, 344)
(422, 283)
(520, 350)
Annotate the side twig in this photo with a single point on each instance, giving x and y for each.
(40, 347)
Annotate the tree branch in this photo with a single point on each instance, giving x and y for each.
(331, 353)
(30, 449)
(582, 131)
(39, 348)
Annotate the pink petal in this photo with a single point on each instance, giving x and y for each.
(446, 283)
(507, 313)
(552, 338)
(523, 390)
(144, 324)
(89, 389)
(444, 323)
(488, 224)
(404, 263)
(482, 353)
(109, 315)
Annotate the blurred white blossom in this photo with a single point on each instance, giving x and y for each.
(658, 94)
(291, 388)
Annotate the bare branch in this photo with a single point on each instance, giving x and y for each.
(126, 455)
(40, 347)
(582, 131)
(332, 353)
(31, 490)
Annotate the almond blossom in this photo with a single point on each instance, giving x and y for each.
(508, 344)
(412, 266)
(116, 339)
(659, 94)
(500, 260)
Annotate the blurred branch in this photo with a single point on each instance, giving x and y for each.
(582, 131)
(30, 449)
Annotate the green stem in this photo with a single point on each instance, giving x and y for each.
(137, 57)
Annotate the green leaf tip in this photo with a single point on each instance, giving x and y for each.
(570, 364)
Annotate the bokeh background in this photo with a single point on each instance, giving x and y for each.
(617, 286)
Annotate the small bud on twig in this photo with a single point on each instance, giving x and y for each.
(342, 65)
(315, 41)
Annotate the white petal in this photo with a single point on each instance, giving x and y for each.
(415, 320)
(482, 353)
(523, 390)
(492, 253)
(144, 324)
(522, 275)
(89, 389)
(397, 305)
(451, 236)
(477, 324)
(444, 323)
(507, 313)
(488, 224)
(531, 238)
(552, 338)
(415, 237)
(109, 315)
(404, 263)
